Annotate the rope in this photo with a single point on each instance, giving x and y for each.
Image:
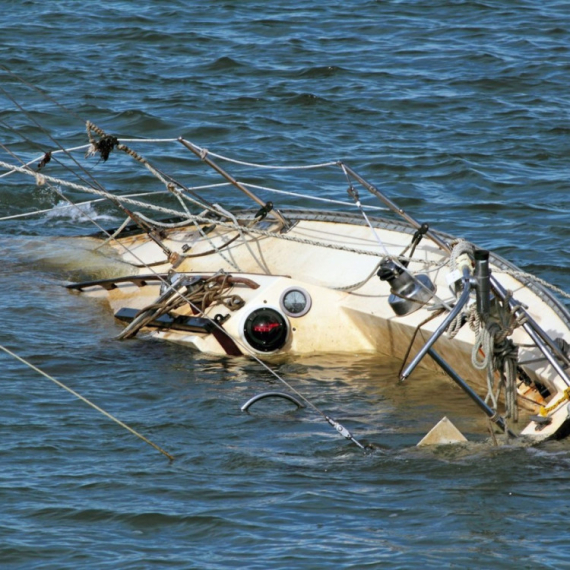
(522, 275)
(35, 160)
(361, 283)
(194, 217)
(509, 376)
(308, 197)
(87, 202)
(115, 234)
(149, 140)
(84, 399)
(484, 341)
(493, 351)
(460, 247)
(206, 152)
(340, 429)
(242, 235)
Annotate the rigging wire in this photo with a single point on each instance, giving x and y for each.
(26, 170)
(194, 217)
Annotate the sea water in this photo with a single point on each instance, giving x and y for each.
(458, 110)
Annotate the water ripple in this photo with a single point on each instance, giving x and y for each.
(458, 110)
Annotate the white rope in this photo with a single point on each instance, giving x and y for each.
(484, 342)
(361, 283)
(65, 206)
(148, 140)
(176, 140)
(206, 152)
(484, 356)
(241, 234)
(176, 225)
(35, 160)
(204, 235)
(263, 233)
(523, 275)
(115, 234)
(308, 197)
(359, 206)
(459, 248)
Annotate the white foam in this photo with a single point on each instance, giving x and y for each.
(76, 212)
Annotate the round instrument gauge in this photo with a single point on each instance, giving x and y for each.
(295, 302)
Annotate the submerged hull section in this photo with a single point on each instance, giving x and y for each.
(315, 289)
(268, 282)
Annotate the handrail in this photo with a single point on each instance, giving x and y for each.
(461, 302)
(283, 395)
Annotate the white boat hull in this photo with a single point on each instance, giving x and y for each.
(322, 255)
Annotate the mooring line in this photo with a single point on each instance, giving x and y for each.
(88, 402)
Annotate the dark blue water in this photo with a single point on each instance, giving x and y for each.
(458, 110)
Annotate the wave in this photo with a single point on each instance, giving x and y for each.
(76, 212)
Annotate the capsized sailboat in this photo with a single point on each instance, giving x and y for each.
(264, 281)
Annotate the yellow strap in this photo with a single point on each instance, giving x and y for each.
(544, 411)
